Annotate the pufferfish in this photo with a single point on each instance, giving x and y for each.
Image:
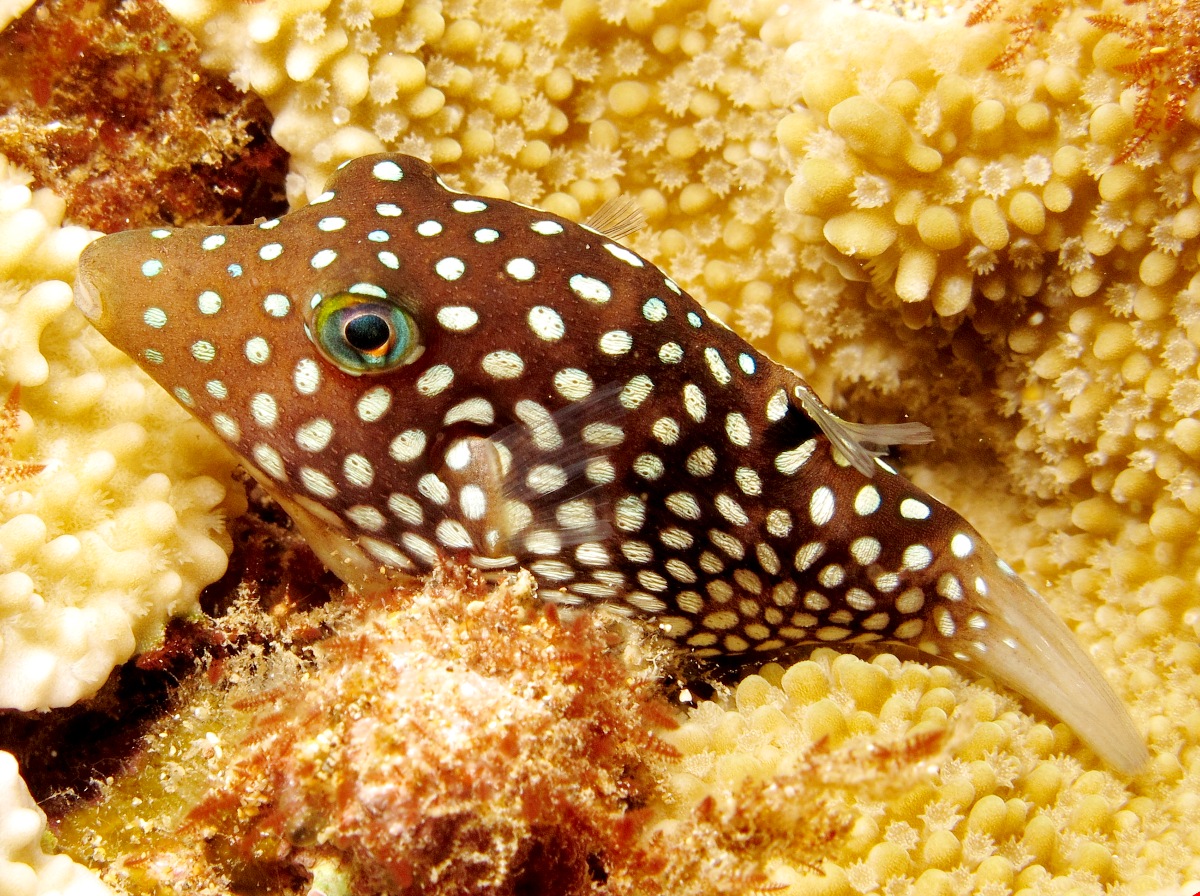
(419, 374)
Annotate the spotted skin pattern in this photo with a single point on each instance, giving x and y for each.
(561, 404)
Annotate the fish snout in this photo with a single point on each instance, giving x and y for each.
(88, 292)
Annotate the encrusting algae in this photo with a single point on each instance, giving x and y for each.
(175, 143)
(454, 739)
(1071, 354)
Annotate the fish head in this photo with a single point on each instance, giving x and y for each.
(342, 349)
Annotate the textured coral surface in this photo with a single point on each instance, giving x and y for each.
(1006, 252)
(122, 527)
(24, 867)
(454, 739)
(436, 738)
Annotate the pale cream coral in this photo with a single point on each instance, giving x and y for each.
(1078, 263)
(124, 526)
(12, 9)
(25, 868)
(1008, 810)
(1081, 284)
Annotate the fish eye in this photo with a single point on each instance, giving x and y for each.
(361, 334)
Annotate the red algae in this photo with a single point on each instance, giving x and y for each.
(456, 738)
(443, 740)
(12, 470)
(460, 739)
(1161, 41)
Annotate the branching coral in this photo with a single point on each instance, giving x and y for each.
(1161, 54)
(1165, 69)
(1025, 235)
(121, 528)
(1073, 276)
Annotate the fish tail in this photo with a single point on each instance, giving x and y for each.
(1006, 630)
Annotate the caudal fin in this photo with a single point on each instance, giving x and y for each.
(1001, 627)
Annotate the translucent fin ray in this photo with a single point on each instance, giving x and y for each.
(617, 218)
(542, 479)
(1013, 635)
(475, 472)
(860, 443)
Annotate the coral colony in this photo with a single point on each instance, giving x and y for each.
(991, 227)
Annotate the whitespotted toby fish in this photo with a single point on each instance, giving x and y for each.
(416, 373)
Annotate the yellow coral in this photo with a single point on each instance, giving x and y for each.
(12, 9)
(1009, 811)
(123, 526)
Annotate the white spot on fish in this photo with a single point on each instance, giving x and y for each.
(449, 268)
(387, 171)
(457, 318)
(307, 376)
(208, 302)
(590, 289)
(821, 506)
(323, 259)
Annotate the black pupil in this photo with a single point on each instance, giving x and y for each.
(367, 332)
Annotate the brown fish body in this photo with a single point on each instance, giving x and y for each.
(547, 398)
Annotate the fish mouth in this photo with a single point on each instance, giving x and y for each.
(87, 296)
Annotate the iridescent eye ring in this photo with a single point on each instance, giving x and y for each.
(364, 334)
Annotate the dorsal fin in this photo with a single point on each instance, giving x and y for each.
(860, 443)
(617, 218)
